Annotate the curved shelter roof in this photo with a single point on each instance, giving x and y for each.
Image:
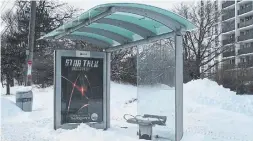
(116, 24)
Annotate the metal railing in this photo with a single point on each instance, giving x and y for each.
(228, 41)
(227, 3)
(246, 37)
(228, 15)
(228, 66)
(246, 23)
(245, 64)
(246, 50)
(245, 10)
(227, 28)
(228, 54)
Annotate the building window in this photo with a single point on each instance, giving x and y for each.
(216, 5)
(232, 49)
(248, 18)
(216, 42)
(209, 33)
(202, 69)
(246, 32)
(232, 61)
(243, 60)
(216, 29)
(242, 46)
(231, 36)
(247, 5)
(216, 17)
(247, 45)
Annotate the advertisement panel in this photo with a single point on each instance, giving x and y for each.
(80, 87)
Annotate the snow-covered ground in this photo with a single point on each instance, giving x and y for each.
(211, 113)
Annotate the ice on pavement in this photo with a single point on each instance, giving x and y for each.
(211, 113)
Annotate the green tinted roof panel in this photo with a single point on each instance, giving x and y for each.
(144, 22)
(124, 32)
(130, 21)
(96, 36)
(170, 14)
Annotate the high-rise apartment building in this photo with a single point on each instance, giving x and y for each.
(236, 25)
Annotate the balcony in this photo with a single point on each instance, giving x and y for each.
(245, 10)
(246, 50)
(228, 41)
(246, 36)
(247, 64)
(228, 66)
(227, 28)
(227, 3)
(228, 54)
(247, 23)
(228, 15)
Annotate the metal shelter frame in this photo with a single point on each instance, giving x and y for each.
(117, 26)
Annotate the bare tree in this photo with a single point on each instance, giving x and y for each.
(49, 15)
(156, 63)
(202, 45)
(238, 79)
(10, 52)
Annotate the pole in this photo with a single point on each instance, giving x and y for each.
(179, 86)
(31, 43)
(108, 81)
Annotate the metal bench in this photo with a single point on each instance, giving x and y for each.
(146, 124)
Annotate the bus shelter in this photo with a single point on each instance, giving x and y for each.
(112, 27)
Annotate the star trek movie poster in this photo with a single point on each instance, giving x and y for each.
(82, 90)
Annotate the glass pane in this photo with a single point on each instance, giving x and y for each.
(156, 85)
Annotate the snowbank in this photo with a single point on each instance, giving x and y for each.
(91, 134)
(208, 92)
(9, 109)
(15, 89)
(211, 113)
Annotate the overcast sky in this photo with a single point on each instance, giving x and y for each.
(166, 4)
(88, 4)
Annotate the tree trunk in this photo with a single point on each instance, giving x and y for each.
(43, 83)
(8, 85)
(11, 81)
(198, 67)
(2, 82)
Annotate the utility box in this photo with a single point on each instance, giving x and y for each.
(24, 100)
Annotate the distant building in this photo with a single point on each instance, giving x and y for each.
(236, 27)
(237, 33)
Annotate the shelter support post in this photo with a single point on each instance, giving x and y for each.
(108, 81)
(179, 87)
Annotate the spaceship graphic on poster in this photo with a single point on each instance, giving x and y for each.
(82, 87)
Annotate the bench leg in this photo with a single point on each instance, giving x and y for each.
(145, 132)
